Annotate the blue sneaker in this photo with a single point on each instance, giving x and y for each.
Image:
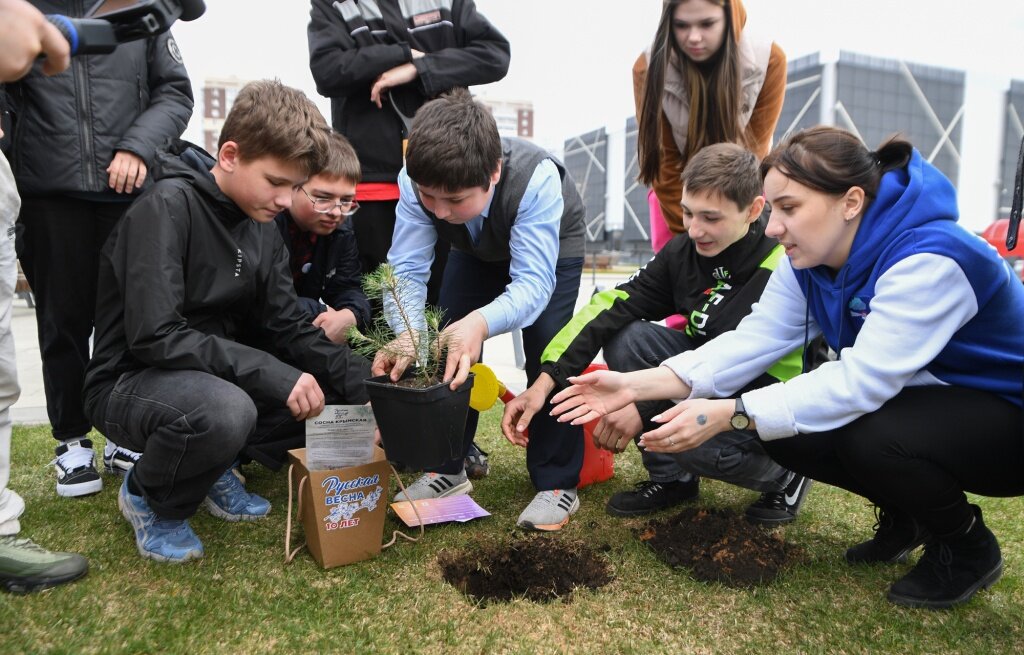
(164, 540)
(228, 500)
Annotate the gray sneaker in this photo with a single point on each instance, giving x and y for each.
(549, 510)
(436, 485)
(26, 567)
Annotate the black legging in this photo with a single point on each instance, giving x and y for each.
(918, 453)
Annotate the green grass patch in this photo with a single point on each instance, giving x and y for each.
(241, 598)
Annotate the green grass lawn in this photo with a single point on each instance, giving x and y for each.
(241, 598)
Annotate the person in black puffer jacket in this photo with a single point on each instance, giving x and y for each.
(81, 146)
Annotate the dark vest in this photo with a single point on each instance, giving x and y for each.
(519, 160)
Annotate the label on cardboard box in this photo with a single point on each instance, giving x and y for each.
(341, 436)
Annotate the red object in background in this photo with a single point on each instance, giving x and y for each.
(995, 234)
(598, 465)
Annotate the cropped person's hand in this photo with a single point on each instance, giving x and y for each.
(520, 411)
(688, 424)
(395, 357)
(616, 430)
(464, 340)
(127, 172)
(591, 396)
(397, 76)
(24, 35)
(335, 323)
(306, 399)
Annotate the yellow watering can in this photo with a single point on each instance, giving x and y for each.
(487, 388)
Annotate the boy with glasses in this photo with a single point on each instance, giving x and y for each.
(322, 246)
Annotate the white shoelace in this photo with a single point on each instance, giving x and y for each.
(75, 458)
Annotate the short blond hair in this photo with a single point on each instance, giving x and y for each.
(269, 119)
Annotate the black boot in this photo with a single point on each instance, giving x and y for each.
(952, 569)
(896, 534)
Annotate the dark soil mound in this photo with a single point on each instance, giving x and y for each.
(718, 546)
(536, 568)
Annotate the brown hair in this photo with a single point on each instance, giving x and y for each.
(453, 144)
(725, 169)
(714, 92)
(269, 119)
(832, 160)
(341, 160)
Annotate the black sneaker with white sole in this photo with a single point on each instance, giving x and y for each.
(76, 470)
(118, 460)
(476, 464)
(779, 507)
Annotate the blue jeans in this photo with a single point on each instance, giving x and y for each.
(189, 426)
(736, 456)
(555, 453)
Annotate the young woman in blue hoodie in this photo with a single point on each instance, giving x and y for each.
(923, 401)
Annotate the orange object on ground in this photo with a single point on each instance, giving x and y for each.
(598, 464)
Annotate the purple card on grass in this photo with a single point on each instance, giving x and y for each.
(439, 510)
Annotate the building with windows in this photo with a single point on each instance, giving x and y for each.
(217, 96)
(514, 117)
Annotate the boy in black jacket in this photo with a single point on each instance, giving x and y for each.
(82, 145)
(195, 261)
(324, 258)
(712, 275)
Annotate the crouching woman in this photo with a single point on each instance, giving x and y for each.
(923, 401)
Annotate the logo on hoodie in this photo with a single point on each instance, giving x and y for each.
(238, 263)
(858, 308)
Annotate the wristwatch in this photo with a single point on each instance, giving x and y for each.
(739, 420)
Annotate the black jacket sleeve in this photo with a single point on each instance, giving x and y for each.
(343, 289)
(303, 343)
(343, 66)
(647, 296)
(170, 101)
(482, 55)
(148, 262)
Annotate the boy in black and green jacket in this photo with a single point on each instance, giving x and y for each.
(712, 275)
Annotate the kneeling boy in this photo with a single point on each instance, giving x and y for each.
(193, 263)
(515, 222)
(712, 275)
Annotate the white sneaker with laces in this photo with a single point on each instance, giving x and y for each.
(436, 485)
(76, 470)
(549, 510)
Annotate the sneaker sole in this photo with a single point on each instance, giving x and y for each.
(30, 585)
(80, 489)
(552, 527)
(111, 469)
(145, 554)
(457, 490)
(985, 582)
(212, 508)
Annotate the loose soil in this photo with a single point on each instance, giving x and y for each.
(718, 546)
(537, 568)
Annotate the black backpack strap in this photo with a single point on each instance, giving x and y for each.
(1018, 200)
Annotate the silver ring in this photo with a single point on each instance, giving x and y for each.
(671, 442)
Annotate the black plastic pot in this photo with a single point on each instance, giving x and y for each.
(421, 428)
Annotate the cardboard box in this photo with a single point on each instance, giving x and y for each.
(343, 510)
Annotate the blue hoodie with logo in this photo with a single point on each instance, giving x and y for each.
(915, 212)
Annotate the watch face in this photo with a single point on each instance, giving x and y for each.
(739, 422)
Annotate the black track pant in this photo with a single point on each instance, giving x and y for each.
(919, 453)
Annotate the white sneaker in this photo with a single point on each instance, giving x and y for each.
(118, 460)
(549, 510)
(76, 470)
(436, 485)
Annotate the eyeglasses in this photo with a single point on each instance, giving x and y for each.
(327, 205)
